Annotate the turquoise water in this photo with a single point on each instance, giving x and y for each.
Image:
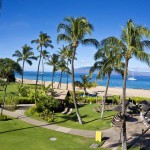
(142, 82)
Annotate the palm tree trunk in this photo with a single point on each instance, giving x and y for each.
(37, 75)
(52, 80)
(67, 74)
(4, 98)
(42, 71)
(124, 141)
(59, 84)
(22, 71)
(60, 80)
(73, 88)
(104, 98)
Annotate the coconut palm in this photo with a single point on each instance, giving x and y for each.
(45, 56)
(26, 55)
(66, 54)
(54, 62)
(108, 59)
(75, 31)
(43, 41)
(85, 83)
(131, 44)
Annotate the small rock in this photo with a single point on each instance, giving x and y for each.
(94, 146)
(53, 139)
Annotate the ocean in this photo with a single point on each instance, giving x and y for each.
(141, 82)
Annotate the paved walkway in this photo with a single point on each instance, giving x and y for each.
(111, 135)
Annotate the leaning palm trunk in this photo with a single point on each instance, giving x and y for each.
(67, 75)
(22, 71)
(73, 88)
(42, 71)
(59, 84)
(104, 97)
(37, 76)
(52, 82)
(124, 142)
(4, 98)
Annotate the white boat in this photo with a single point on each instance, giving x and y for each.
(132, 77)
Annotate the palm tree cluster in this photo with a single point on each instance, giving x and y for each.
(112, 54)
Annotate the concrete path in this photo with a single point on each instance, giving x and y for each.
(111, 135)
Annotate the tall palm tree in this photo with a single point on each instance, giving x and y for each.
(43, 41)
(75, 31)
(45, 56)
(107, 59)
(54, 62)
(26, 55)
(131, 44)
(66, 53)
(85, 83)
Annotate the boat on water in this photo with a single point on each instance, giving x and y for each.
(132, 78)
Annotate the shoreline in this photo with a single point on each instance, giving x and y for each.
(111, 90)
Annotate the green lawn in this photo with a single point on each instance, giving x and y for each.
(12, 88)
(91, 119)
(17, 135)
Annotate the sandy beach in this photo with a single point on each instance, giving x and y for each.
(111, 90)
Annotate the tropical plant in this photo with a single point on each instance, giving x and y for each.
(108, 59)
(63, 68)
(131, 44)
(66, 54)
(43, 41)
(54, 62)
(45, 56)
(75, 31)
(85, 83)
(25, 56)
(6, 70)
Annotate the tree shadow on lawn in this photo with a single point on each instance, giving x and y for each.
(72, 117)
(143, 141)
(2, 132)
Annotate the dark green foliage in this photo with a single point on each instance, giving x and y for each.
(45, 108)
(48, 103)
(15, 67)
(23, 90)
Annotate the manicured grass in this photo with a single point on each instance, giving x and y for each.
(12, 88)
(17, 135)
(90, 118)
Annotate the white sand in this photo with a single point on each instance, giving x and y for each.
(111, 90)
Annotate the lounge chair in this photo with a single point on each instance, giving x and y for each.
(65, 111)
(70, 111)
(97, 109)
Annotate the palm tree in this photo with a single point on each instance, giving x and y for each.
(63, 68)
(107, 60)
(85, 83)
(131, 44)
(54, 62)
(25, 56)
(43, 41)
(75, 30)
(66, 53)
(45, 55)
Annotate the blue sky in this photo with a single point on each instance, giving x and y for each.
(22, 20)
